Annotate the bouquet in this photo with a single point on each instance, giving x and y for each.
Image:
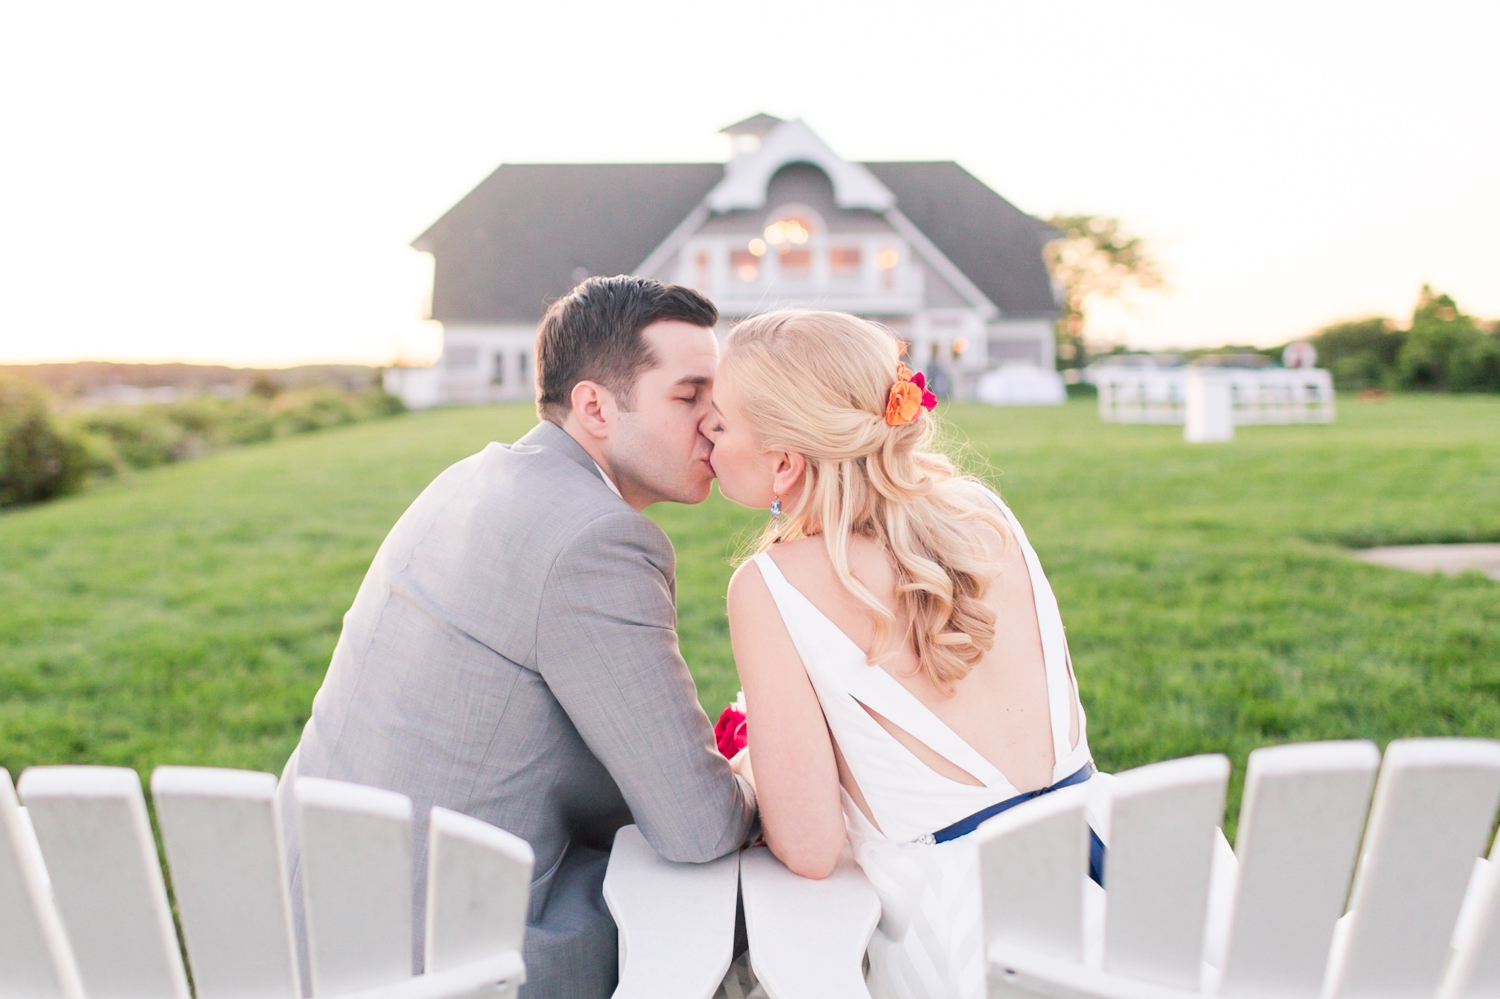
(731, 731)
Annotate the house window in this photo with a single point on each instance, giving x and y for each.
(745, 264)
(844, 261)
(498, 377)
(702, 266)
(796, 261)
(523, 368)
(463, 357)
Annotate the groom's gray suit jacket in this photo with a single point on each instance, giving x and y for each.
(512, 655)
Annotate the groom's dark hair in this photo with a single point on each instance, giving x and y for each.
(593, 334)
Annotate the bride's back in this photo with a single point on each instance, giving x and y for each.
(1000, 707)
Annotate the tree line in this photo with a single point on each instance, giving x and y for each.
(1442, 349)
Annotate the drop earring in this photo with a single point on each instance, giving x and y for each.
(776, 515)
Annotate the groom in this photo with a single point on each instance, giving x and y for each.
(512, 652)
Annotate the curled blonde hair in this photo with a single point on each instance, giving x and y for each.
(816, 383)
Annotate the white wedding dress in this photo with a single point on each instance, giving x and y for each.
(927, 945)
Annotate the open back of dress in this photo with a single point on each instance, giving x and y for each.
(928, 942)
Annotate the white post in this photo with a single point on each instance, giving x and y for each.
(1210, 408)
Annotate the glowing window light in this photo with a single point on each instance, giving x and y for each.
(758, 247)
(790, 230)
(888, 258)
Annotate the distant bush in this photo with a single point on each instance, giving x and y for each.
(115, 438)
(37, 462)
(1360, 354)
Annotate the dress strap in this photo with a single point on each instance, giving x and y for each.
(872, 687)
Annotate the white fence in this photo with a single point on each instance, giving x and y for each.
(1264, 395)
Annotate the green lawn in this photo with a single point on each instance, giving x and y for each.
(186, 615)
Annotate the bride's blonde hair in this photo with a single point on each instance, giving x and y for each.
(817, 383)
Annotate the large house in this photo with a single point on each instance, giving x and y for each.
(924, 248)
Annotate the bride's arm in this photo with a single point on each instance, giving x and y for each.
(796, 778)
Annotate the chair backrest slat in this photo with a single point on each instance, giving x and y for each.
(223, 844)
(1435, 802)
(1300, 824)
(356, 859)
(1032, 861)
(35, 959)
(1163, 819)
(96, 840)
(478, 887)
(1475, 970)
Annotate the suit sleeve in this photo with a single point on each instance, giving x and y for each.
(607, 647)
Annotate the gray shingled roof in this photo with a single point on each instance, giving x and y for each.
(514, 243)
(995, 244)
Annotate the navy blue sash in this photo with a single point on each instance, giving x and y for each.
(967, 825)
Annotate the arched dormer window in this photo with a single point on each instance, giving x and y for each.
(792, 233)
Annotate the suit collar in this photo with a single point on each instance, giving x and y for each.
(549, 434)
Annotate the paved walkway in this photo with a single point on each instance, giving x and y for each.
(1450, 559)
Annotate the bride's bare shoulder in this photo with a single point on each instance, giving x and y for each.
(748, 588)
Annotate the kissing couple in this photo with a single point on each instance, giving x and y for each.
(512, 653)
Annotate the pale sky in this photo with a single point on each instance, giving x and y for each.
(239, 182)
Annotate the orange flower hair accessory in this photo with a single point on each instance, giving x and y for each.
(909, 396)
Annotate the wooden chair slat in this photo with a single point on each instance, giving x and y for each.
(95, 837)
(1032, 863)
(478, 886)
(1300, 826)
(222, 836)
(356, 861)
(1163, 822)
(1435, 802)
(35, 958)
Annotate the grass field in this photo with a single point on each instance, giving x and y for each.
(186, 615)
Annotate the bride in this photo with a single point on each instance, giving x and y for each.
(903, 660)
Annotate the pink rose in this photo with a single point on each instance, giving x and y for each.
(731, 731)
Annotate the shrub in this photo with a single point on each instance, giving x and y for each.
(36, 461)
(142, 436)
(1360, 354)
(1446, 349)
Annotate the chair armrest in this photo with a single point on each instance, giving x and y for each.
(808, 938)
(676, 921)
(467, 981)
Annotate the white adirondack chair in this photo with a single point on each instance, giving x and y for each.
(107, 903)
(1299, 835)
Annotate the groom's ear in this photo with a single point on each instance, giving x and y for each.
(595, 409)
